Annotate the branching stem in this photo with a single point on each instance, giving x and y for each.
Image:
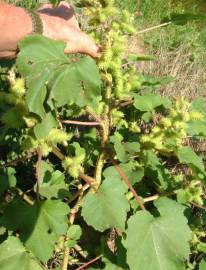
(89, 263)
(127, 182)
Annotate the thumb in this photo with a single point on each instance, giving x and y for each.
(83, 44)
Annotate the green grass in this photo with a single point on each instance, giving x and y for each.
(180, 49)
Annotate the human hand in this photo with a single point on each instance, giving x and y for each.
(60, 23)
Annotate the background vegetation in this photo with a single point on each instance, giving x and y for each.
(97, 169)
(179, 49)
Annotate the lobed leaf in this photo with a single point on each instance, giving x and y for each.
(39, 226)
(13, 255)
(108, 207)
(158, 243)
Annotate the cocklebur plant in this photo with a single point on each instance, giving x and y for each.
(99, 153)
(192, 193)
(171, 130)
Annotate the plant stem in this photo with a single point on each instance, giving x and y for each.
(105, 137)
(66, 256)
(126, 180)
(25, 197)
(153, 197)
(72, 216)
(89, 263)
(80, 251)
(38, 171)
(153, 27)
(80, 123)
(93, 115)
(199, 206)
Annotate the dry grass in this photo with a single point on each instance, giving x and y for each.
(189, 76)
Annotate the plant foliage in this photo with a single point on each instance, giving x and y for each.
(95, 168)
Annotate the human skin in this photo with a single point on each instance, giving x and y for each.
(59, 23)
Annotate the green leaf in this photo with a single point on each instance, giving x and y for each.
(149, 82)
(134, 173)
(108, 207)
(38, 57)
(184, 18)
(74, 233)
(202, 265)
(140, 57)
(39, 52)
(125, 150)
(196, 128)
(198, 104)
(2, 230)
(39, 226)
(53, 185)
(14, 256)
(158, 243)
(42, 129)
(7, 179)
(37, 91)
(110, 265)
(150, 159)
(147, 117)
(120, 151)
(201, 247)
(77, 82)
(148, 102)
(187, 156)
(51, 77)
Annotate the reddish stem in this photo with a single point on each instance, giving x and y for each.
(126, 180)
(89, 263)
(71, 122)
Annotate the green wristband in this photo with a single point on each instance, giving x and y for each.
(37, 25)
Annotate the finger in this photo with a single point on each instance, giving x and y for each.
(83, 44)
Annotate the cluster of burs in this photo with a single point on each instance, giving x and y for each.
(110, 27)
(17, 115)
(171, 130)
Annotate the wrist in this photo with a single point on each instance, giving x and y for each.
(37, 24)
(16, 25)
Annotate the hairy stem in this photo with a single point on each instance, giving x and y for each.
(66, 256)
(105, 137)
